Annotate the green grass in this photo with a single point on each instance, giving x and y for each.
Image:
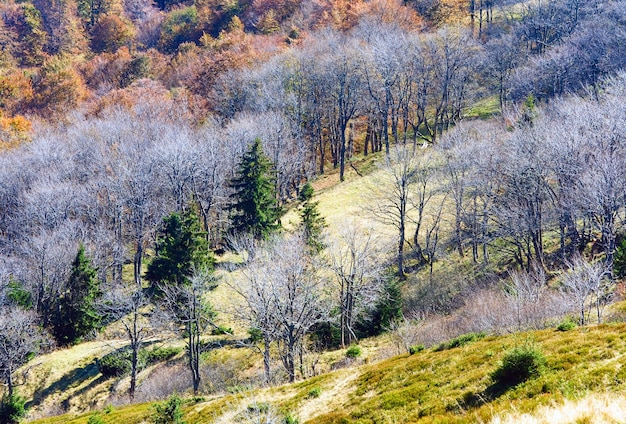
(484, 109)
(435, 386)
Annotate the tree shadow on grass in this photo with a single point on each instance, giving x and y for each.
(69, 380)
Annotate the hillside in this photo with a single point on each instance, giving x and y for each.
(585, 366)
(259, 204)
(453, 385)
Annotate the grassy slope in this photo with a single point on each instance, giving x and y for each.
(447, 386)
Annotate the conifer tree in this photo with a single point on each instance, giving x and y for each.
(312, 223)
(77, 315)
(255, 208)
(181, 246)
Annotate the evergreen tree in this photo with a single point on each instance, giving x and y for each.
(76, 306)
(181, 246)
(311, 222)
(255, 209)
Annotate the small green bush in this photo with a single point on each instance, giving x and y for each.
(314, 393)
(12, 409)
(118, 363)
(519, 365)
(220, 329)
(290, 419)
(566, 325)
(115, 364)
(95, 419)
(168, 412)
(159, 354)
(462, 340)
(259, 407)
(353, 351)
(416, 349)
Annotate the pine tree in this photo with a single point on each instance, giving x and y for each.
(312, 223)
(181, 246)
(77, 315)
(255, 209)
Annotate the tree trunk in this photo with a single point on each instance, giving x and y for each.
(137, 263)
(266, 358)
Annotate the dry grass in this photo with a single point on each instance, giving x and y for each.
(605, 408)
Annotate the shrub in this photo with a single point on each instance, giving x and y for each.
(566, 325)
(12, 409)
(353, 351)
(115, 364)
(290, 419)
(168, 412)
(314, 393)
(519, 365)
(416, 348)
(95, 419)
(159, 354)
(461, 340)
(220, 329)
(118, 363)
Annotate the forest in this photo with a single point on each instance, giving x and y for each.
(150, 151)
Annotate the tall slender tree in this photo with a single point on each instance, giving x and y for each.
(76, 312)
(255, 207)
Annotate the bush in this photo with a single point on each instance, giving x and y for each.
(12, 409)
(115, 364)
(416, 348)
(519, 365)
(95, 419)
(168, 412)
(159, 354)
(462, 340)
(290, 419)
(314, 393)
(353, 351)
(118, 363)
(566, 325)
(220, 329)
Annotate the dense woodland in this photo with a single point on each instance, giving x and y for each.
(138, 138)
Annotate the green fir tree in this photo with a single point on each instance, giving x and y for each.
(311, 222)
(77, 315)
(255, 208)
(181, 247)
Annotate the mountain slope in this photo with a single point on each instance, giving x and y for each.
(432, 386)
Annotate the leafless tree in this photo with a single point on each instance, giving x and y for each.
(588, 286)
(20, 337)
(525, 290)
(404, 173)
(284, 296)
(187, 312)
(129, 306)
(357, 259)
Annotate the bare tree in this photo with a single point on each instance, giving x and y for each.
(129, 306)
(188, 313)
(587, 285)
(20, 337)
(356, 258)
(257, 309)
(404, 172)
(287, 300)
(524, 290)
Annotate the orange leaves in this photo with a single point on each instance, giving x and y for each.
(346, 14)
(14, 131)
(58, 88)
